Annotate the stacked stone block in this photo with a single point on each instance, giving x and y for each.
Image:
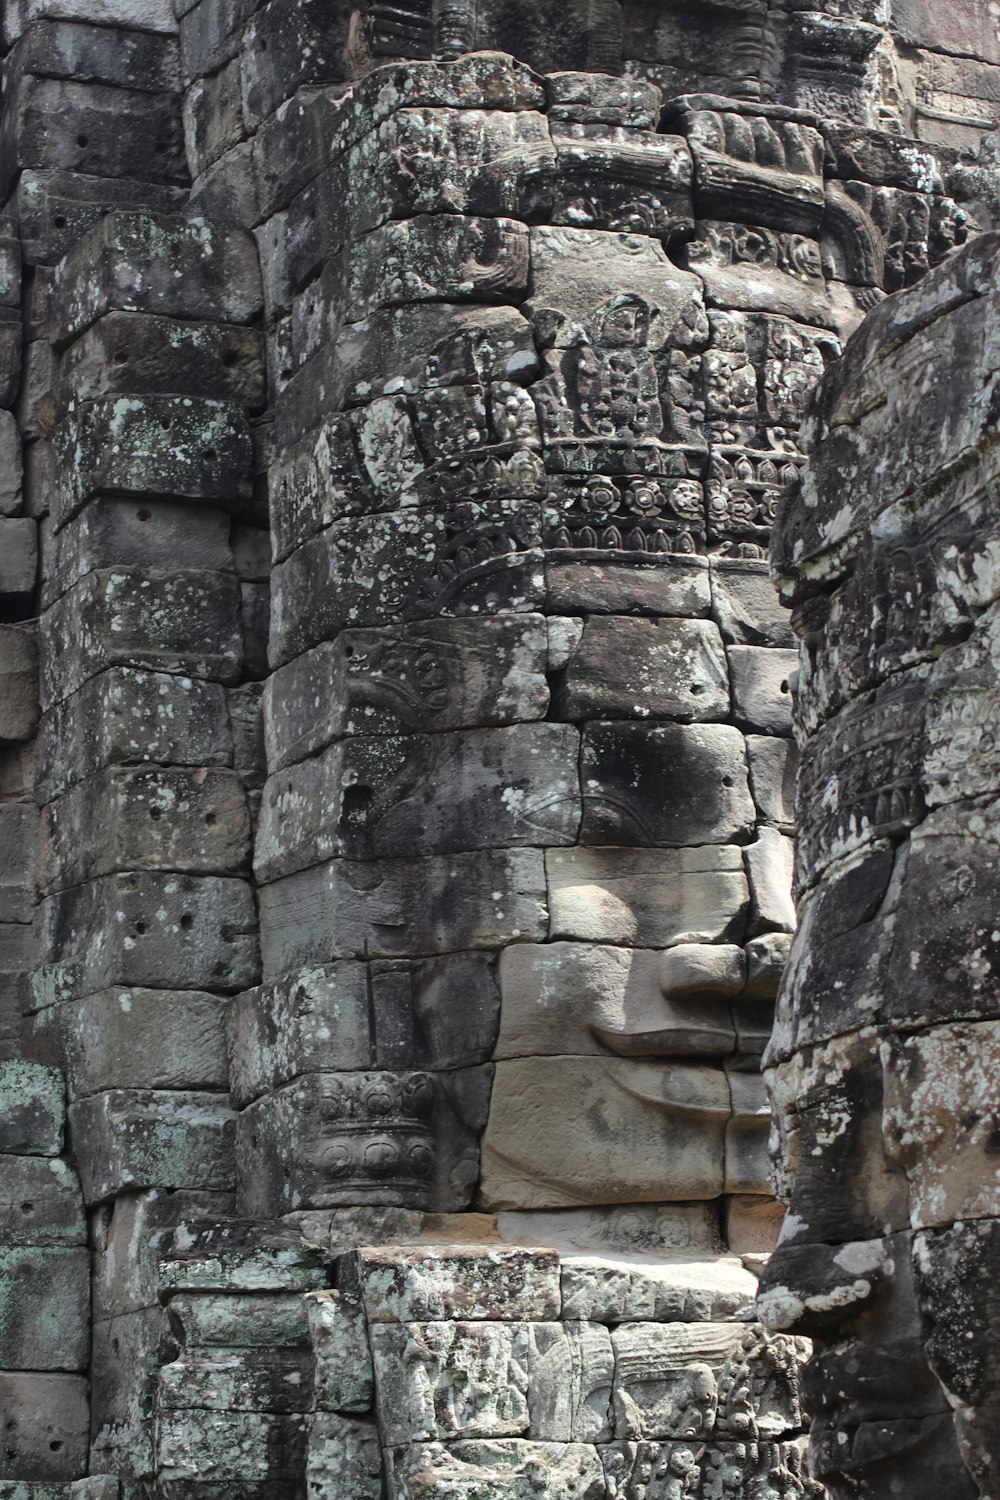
(539, 326)
(494, 1369)
(147, 920)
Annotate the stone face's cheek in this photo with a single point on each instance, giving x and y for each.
(646, 1131)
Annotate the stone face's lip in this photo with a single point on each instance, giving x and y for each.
(844, 1447)
(701, 1044)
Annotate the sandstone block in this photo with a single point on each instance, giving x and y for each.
(745, 606)
(682, 1381)
(317, 480)
(767, 958)
(160, 818)
(40, 1201)
(32, 1108)
(227, 1447)
(124, 132)
(10, 465)
(17, 955)
(569, 1131)
(57, 207)
(949, 1265)
(570, 281)
(10, 354)
(830, 1104)
(18, 559)
(570, 1373)
(438, 257)
(144, 354)
(939, 1116)
(602, 168)
(288, 45)
(457, 1380)
(423, 1013)
(241, 1320)
(125, 1354)
(634, 668)
(747, 1165)
(125, 715)
(499, 1283)
(424, 562)
(840, 955)
(773, 769)
(138, 1138)
(664, 784)
(47, 1424)
(213, 117)
(513, 1469)
(761, 693)
(769, 872)
(133, 1234)
(379, 797)
(402, 1139)
(244, 1380)
(343, 1374)
(468, 161)
(18, 850)
(632, 584)
(153, 447)
(18, 684)
(174, 931)
(242, 1255)
(134, 58)
(345, 909)
(343, 1452)
(44, 1308)
(647, 898)
(585, 998)
(163, 537)
(186, 624)
(145, 262)
(618, 1289)
(146, 1039)
(944, 952)
(432, 675)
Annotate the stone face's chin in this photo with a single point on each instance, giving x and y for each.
(568, 1131)
(853, 1460)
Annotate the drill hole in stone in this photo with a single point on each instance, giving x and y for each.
(211, 819)
(144, 515)
(141, 927)
(82, 140)
(230, 358)
(784, 686)
(187, 921)
(165, 423)
(156, 813)
(210, 455)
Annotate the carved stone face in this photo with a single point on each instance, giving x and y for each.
(626, 1074)
(886, 1051)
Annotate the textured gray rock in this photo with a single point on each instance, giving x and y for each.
(392, 428)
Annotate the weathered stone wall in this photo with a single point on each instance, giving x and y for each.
(882, 1062)
(396, 879)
